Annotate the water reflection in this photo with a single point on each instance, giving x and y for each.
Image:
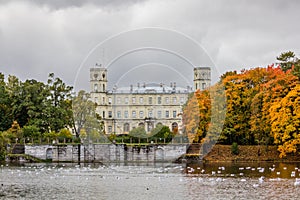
(151, 181)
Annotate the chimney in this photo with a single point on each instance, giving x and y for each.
(144, 85)
(138, 85)
(171, 84)
(174, 85)
(161, 85)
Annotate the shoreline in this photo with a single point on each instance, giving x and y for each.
(218, 153)
(248, 153)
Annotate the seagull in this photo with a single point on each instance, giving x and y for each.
(261, 179)
(261, 170)
(297, 182)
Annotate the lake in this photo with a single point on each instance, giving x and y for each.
(151, 181)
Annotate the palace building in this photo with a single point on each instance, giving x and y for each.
(146, 105)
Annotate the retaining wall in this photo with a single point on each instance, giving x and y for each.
(106, 152)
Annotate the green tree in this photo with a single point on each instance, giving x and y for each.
(34, 105)
(160, 133)
(289, 61)
(14, 133)
(6, 118)
(286, 60)
(3, 143)
(59, 106)
(138, 132)
(31, 131)
(85, 116)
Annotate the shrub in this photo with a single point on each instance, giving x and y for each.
(31, 131)
(234, 148)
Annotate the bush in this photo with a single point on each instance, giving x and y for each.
(3, 143)
(234, 148)
(31, 131)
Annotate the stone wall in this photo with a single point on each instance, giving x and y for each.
(107, 152)
(39, 151)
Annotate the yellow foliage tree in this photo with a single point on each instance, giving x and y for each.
(285, 122)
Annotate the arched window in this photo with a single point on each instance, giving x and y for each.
(103, 87)
(150, 126)
(141, 124)
(126, 127)
(159, 124)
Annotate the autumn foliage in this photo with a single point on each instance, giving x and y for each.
(262, 107)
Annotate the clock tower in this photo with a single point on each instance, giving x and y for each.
(98, 84)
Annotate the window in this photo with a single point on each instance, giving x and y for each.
(141, 100)
(150, 126)
(141, 114)
(141, 124)
(126, 114)
(109, 100)
(103, 114)
(103, 100)
(119, 100)
(126, 127)
(133, 100)
(203, 86)
(119, 114)
(167, 100)
(103, 87)
(150, 100)
(96, 87)
(174, 114)
(181, 100)
(167, 114)
(109, 129)
(133, 114)
(96, 99)
(158, 100)
(159, 114)
(126, 100)
(150, 114)
(174, 100)
(109, 114)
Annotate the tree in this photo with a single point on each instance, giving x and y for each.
(31, 131)
(161, 132)
(285, 120)
(84, 115)
(6, 118)
(3, 143)
(14, 133)
(286, 60)
(34, 105)
(289, 61)
(138, 132)
(191, 116)
(59, 103)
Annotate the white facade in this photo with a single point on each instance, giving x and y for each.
(123, 109)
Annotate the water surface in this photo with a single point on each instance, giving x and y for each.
(151, 181)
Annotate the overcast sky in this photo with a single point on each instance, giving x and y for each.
(60, 35)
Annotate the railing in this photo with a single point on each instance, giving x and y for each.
(104, 140)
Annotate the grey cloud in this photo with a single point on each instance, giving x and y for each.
(62, 4)
(38, 37)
